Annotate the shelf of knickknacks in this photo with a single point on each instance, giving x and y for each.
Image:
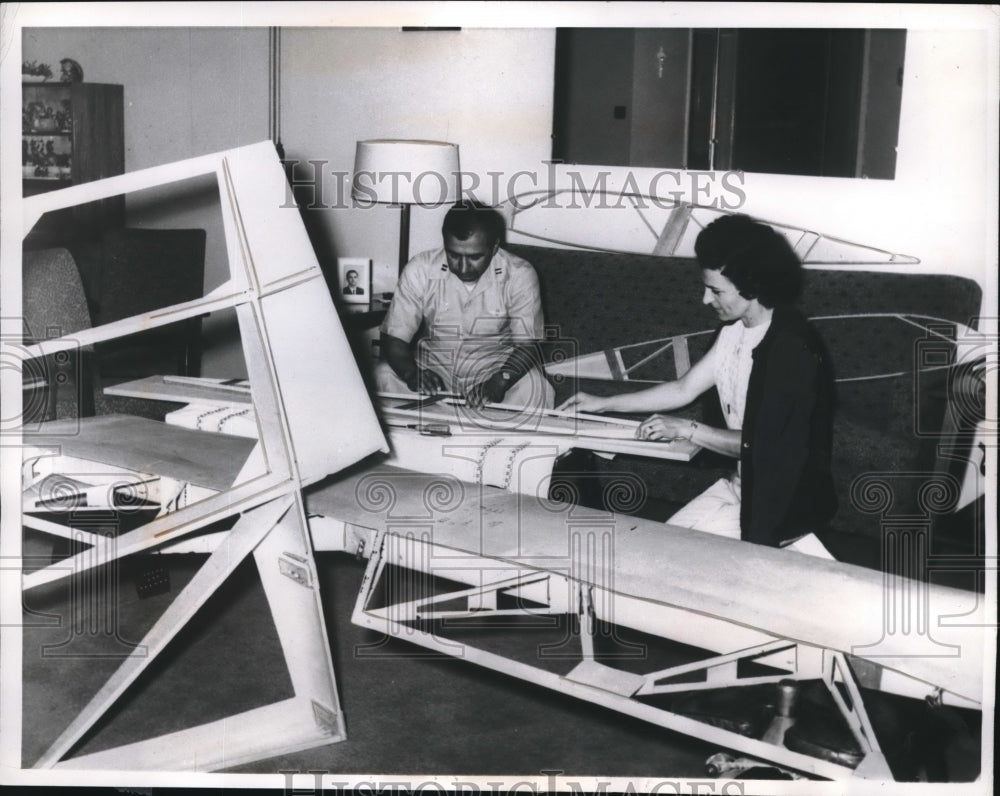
(54, 173)
(46, 157)
(39, 116)
(46, 126)
(71, 133)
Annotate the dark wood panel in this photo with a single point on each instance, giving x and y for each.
(822, 102)
(98, 151)
(593, 122)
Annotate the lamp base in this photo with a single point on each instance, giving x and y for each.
(404, 236)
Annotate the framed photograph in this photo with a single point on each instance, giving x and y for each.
(354, 280)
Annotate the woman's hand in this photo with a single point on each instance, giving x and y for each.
(583, 402)
(663, 428)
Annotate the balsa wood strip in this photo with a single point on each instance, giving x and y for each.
(281, 728)
(289, 577)
(200, 391)
(165, 529)
(245, 535)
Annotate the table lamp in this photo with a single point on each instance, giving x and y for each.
(404, 173)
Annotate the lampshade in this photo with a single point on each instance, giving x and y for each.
(406, 172)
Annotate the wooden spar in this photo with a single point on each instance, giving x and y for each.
(191, 390)
(288, 574)
(167, 528)
(149, 320)
(673, 230)
(245, 535)
(515, 418)
(460, 401)
(229, 742)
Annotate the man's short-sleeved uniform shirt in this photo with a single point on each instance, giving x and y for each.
(470, 328)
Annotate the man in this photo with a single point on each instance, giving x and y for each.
(481, 307)
(352, 288)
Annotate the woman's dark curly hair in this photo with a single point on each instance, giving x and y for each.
(756, 259)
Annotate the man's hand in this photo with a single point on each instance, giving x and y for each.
(426, 382)
(583, 402)
(492, 390)
(663, 428)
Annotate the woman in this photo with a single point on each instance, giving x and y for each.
(775, 389)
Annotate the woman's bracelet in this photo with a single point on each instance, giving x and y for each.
(694, 427)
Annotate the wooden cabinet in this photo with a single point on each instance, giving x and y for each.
(72, 133)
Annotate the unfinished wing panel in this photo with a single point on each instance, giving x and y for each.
(302, 379)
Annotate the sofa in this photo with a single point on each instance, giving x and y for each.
(906, 409)
(132, 270)
(125, 272)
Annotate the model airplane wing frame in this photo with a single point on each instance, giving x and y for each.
(673, 354)
(659, 225)
(608, 570)
(274, 283)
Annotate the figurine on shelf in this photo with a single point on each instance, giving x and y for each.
(38, 157)
(63, 167)
(39, 117)
(41, 157)
(70, 71)
(64, 117)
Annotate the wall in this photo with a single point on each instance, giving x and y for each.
(188, 92)
(489, 91)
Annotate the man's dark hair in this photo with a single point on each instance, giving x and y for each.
(468, 217)
(757, 260)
